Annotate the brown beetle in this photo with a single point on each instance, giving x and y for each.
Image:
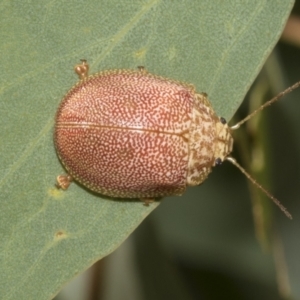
(132, 134)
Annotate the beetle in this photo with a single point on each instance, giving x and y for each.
(132, 134)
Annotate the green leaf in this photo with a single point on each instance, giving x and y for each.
(49, 236)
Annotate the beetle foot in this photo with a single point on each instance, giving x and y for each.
(147, 201)
(82, 69)
(142, 69)
(63, 181)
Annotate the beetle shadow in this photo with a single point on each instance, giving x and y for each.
(116, 199)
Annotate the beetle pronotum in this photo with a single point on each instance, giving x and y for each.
(132, 134)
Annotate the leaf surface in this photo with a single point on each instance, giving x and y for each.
(49, 236)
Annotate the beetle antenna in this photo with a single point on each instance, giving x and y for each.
(276, 201)
(276, 98)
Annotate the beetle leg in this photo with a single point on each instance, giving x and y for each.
(63, 181)
(147, 201)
